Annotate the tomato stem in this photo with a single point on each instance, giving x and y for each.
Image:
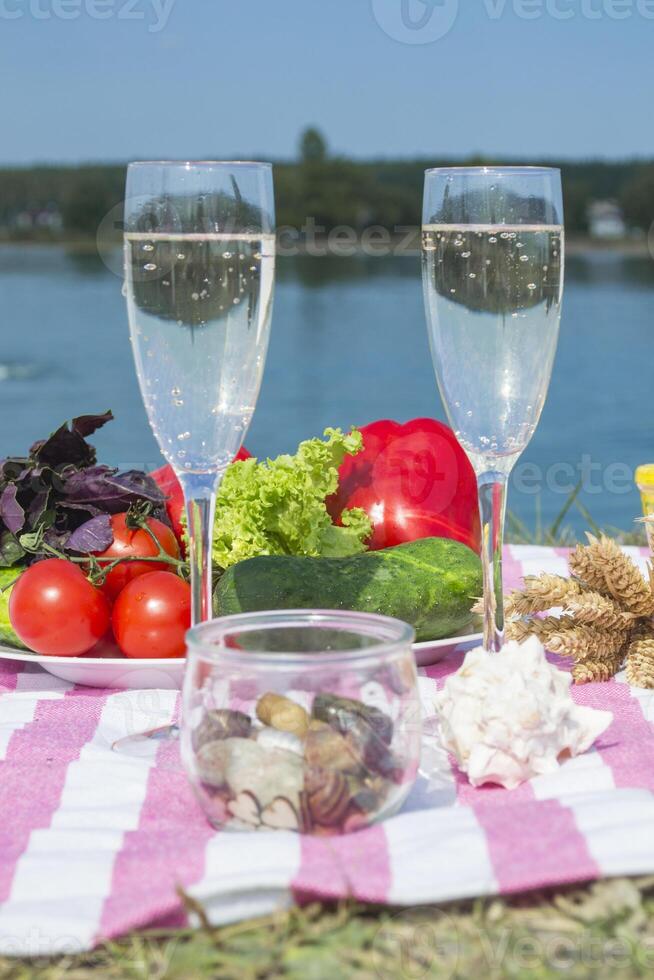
(99, 568)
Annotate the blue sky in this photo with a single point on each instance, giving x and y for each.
(190, 78)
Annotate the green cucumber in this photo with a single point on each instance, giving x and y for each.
(430, 583)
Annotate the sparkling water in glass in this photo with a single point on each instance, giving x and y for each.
(492, 255)
(199, 273)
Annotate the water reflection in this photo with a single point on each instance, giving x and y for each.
(313, 272)
(348, 345)
(599, 266)
(610, 267)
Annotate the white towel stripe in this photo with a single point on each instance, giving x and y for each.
(617, 825)
(18, 707)
(69, 864)
(233, 888)
(444, 857)
(584, 774)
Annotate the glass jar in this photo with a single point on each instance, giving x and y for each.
(301, 720)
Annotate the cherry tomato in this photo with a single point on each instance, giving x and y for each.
(151, 616)
(56, 611)
(166, 480)
(137, 543)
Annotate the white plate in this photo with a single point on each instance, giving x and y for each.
(433, 651)
(105, 666)
(109, 669)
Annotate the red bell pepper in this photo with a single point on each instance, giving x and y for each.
(413, 481)
(166, 480)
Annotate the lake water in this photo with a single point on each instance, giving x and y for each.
(348, 346)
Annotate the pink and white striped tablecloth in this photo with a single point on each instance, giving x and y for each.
(93, 844)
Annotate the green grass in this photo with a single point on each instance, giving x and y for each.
(603, 931)
(560, 534)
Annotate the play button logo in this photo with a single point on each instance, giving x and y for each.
(416, 21)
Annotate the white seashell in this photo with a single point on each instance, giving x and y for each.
(216, 693)
(509, 716)
(271, 738)
(245, 809)
(426, 690)
(374, 695)
(280, 815)
(264, 773)
(303, 698)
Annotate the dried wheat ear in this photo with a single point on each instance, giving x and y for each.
(603, 614)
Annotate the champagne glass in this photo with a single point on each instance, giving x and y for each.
(199, 274)
(492, 259)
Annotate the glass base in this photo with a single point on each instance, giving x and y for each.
(140, 744)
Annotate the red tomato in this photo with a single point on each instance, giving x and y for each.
(166, 480)
(56, 611)
(151, 616)
(413, 481)
(137, 543)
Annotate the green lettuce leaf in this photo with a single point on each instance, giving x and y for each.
(7, 633)
(277, 507)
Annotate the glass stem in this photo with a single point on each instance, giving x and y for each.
(492, 508)
(200, 499)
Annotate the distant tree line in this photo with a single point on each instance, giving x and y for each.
(331, 190)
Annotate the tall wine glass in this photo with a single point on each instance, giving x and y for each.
(492, 250)
(199, 274)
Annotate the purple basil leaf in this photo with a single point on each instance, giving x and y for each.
(38, 507)
(11, 511)
(87, 484)
(91, 484)
(40, 479)
(60, 491)
(86, 425)
(12, 469)
(56, 538)
(64, 447)
(138, 485)
(110, 491)
(68, 444)
(63, 506)
(94, 535)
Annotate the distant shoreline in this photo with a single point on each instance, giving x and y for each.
(630, 247)
(404, 245)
